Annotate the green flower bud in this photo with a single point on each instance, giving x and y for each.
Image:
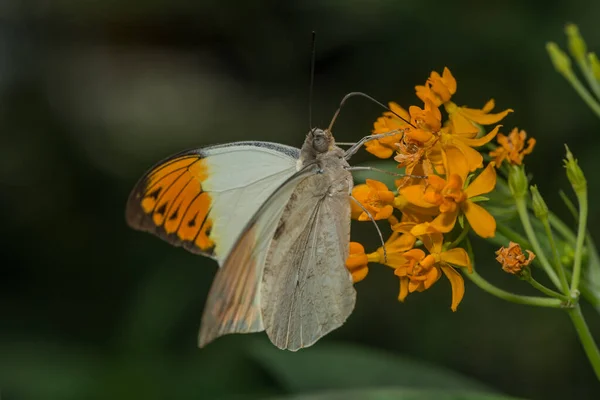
(559, 58)
(540, 209)
(574, 173)
(594, 65)
(577, 46)
(517, 181)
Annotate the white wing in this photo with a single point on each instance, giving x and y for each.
(307, 291)
(233, 304)
(202, 199)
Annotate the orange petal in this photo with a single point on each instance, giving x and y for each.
(456, 162)
(460, 124)
(457, 283)
(484, 183)
(432, 277)
(399, 110)
(376, 185)
(359, 274)
(445, 222)
(414, 195)
(482, 117)
(449, 80)
(383, 213)
(423, 229)
(375, 148)
(480, 220)
(403, 289)
(457, 256)
(482, 140)
(419, 135)
(474, 158)
(433, 242)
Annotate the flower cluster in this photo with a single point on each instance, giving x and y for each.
(440, 145)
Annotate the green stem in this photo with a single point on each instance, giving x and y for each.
(524, 215)
(561, 228)
(514, 298)
(548, 291)
(586, 339)
(460, 237)
(583, 93)
(581, 234)
(589, 75)
(564, 284)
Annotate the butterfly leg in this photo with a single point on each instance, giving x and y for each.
(352, 150)
(374, 223)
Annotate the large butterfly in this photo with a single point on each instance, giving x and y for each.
(276, 219)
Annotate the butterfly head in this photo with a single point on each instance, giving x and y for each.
(320, 140)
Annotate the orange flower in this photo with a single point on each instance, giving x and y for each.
(438, 89)
(512, 258)
(459, 155)
(375, 197)
(415, 149)
(449, 197)
(464, 119)
(512, 147)
(385, 147)
(357, 262)
(397, 244)
(419, 271)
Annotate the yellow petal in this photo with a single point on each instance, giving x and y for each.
(460, 124)
(474, 158)
(445, 221)
(432, 277)
(449, 80)
(359, 274)
(480, 220)
(433, 242)
(457, 256)
(457, 283)
(423, 229)
(455, 161)
(414, 195)
(399, 110)
(403, 289)
(484, 183)
(376, 185)
(482, 140)
(482, 117)
(375, 148)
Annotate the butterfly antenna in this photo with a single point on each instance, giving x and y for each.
(312, 78)
(353, 94)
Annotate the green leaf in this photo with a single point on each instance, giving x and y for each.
(396, 394)
(329, 366)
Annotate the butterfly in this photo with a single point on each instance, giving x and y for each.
(275, 218)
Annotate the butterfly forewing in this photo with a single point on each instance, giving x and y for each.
(202, 199)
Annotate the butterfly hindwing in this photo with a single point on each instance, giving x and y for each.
(234, 301)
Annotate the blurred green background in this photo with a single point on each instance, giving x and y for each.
(93, 93)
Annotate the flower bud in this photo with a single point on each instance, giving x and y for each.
(574, 173)
(517, 181)
(540, 209)
(577, 45)
(559, 58)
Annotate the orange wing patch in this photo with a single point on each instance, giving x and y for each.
(169, 201)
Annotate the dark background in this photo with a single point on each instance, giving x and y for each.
(93, 93)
